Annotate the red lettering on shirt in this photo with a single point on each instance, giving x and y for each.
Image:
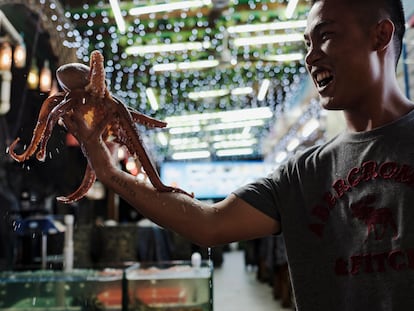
(359, 264)
(388, 169)
(330, 200)
(405, 175)
(369, 170)
(354, 178)
(340, 187)
(356, 263)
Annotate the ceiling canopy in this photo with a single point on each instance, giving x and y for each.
(218, 71)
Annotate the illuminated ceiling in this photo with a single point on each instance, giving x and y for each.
(222, 74)
(198, 62)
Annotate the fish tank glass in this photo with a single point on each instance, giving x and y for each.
(58, 290)
(172, 286)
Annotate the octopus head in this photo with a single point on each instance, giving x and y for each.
(73, 76)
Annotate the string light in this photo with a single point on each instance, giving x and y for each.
(45, 80)
(33, 76)
(5, 56)
(290, 9)
(162, 65)
(19, 55)
(180, 5)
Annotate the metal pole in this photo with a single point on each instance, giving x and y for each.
(44, 250)
(406, 71)
(14, 34)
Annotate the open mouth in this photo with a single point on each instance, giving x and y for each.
(323, 78)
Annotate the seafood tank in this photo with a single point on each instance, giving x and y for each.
(172, 286)
(158, 286)
(57, 290)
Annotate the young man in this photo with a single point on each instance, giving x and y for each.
(346, 207)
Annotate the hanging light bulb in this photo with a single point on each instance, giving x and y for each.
(19, 55)
(6, 78)
(5, 56)
(33, 76)
(45, 83)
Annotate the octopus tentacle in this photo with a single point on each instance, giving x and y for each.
(97, 85)
(141, 118)
(89, 175)
(87, 182)
(38, 132)
(53, 118)
(135, 146)
(146, 120)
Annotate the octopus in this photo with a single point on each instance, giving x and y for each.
(86, 98)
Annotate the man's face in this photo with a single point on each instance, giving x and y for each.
(340, 56)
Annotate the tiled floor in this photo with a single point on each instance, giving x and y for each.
(236, 289)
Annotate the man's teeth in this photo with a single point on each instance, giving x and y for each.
(323, 78)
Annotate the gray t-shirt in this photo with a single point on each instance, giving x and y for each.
(347, 214)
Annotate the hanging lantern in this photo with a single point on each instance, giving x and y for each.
(5, 56)
(45, 83)
(33, 76)
(19, 55)
(5, 89)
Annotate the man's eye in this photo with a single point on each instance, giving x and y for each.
(326, 35)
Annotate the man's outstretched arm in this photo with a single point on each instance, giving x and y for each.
(231, 219)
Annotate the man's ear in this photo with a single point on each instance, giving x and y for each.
(384, 32)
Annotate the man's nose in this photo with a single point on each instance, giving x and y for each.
(312, 55)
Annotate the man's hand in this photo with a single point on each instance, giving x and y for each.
(99, 153)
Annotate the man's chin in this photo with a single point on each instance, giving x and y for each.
(328, 103)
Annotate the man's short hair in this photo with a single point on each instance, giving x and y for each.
(393, 8)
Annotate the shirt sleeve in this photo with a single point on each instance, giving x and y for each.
(262, 195)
